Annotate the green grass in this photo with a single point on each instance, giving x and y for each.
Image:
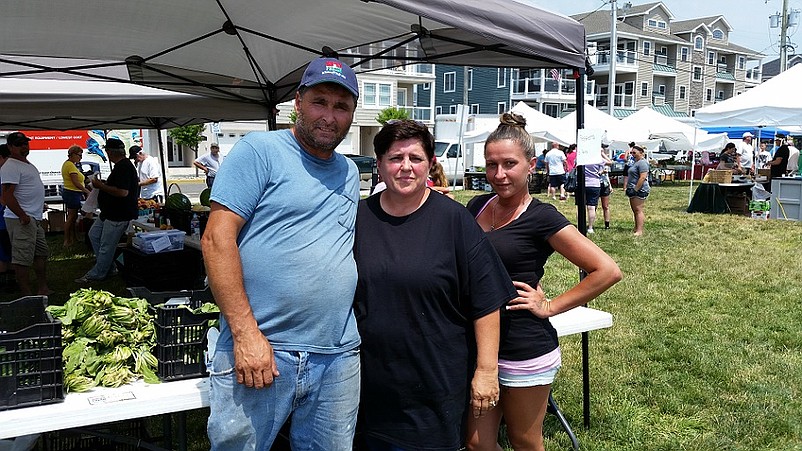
(705, 352)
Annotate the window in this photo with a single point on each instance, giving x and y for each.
(385, 99)
(662, 90)
(452, 109)
(682, 92)
(711, 58)
(501, 78)
(501, 108)
(683, 53)
(369, 94)
(698, 43)
(663, 50)
(376, 94)
(426, 86)
(741, 62)
(470, 79)
(718, 34)
(697, 73)
(438, 110)
(662, 25)
(644, 89)
(720, 95)
(449, 81)
(651, 23)
(647, 48)
(401, 97)
(474, 108)
(709, 94)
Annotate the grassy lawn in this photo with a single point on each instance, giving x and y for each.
(705, 352)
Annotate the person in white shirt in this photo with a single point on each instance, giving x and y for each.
(793, 158)
(746, 152)
(209, 163)
(556, 165)
(24, 197)
(150, 172)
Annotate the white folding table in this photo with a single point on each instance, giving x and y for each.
(137, 400)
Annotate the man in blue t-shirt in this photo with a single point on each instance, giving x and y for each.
(278, 249)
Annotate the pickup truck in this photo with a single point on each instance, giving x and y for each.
(366, 166)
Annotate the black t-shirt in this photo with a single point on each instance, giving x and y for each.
(423, 280)
(116, 208)
(523, 248)
(778, 170)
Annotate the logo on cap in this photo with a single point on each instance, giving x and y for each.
(333, 68)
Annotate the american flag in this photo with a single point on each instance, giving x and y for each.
(555, 74)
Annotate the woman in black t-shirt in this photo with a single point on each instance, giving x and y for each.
(525, 232)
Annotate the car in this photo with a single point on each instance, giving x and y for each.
(366, 166)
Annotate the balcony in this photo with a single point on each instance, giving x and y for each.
(626, 60)
(421, 114)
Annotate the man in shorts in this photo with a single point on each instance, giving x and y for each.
(24, 196)
(556, 166)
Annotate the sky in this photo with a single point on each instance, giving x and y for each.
(748, 18)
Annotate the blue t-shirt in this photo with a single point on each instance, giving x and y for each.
(634, 172)
(296, 246)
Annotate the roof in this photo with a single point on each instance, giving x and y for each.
(598, 23)
(639, 10)
(665, 110)
(772, 68)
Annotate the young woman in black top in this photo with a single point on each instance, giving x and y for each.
(525, 232)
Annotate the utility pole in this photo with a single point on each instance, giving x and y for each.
(613, 56)
(784, 38)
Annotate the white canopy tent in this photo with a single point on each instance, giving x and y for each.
(776, 103)
(564, 129)
(37, 103)
(647, 124)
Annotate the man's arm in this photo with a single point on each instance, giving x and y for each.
(110, 189)
(198, 164)
(484, 386)
(11, 203)
(253, 356)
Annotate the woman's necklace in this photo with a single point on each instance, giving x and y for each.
(503, 218)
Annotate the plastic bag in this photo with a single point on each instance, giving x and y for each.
(570, 182)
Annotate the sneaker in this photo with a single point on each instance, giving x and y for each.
(85, 279)
(590, 230)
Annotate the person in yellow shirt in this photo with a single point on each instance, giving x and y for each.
(74, 191)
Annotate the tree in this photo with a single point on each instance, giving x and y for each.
(188, 135)
(391, 113)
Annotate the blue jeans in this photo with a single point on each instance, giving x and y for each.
(104, 236)
(320, 392)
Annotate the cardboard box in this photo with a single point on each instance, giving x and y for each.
(56, 220)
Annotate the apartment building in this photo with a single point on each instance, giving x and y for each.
(674, 66)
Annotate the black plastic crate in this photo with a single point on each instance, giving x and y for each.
(180, 334)
(31, 372)
(131, 435)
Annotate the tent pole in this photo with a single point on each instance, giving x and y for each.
(163, 160)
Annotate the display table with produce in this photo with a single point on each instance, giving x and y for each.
(138, 399)
(116, 358)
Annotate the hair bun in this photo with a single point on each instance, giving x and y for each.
(512, 119)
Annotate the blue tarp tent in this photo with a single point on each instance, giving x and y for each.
(737, 132)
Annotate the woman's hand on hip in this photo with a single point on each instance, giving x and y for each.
(532, 299)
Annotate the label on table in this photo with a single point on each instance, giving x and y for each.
(111, 397)
(161, 243)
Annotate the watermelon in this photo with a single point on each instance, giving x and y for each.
(204, 197)
(178, 201)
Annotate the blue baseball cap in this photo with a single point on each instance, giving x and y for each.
(330, 70)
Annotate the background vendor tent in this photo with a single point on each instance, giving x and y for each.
(736, 133)
(35, 103)
(774, 103)
(647, 124)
